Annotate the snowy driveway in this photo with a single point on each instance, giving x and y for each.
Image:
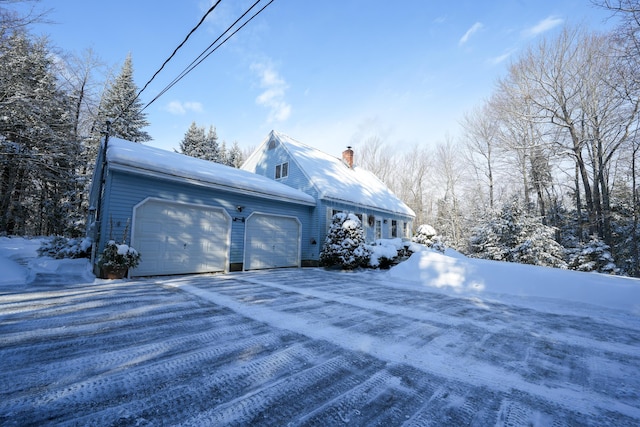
(308, 347)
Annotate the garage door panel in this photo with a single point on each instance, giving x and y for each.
(177, 238)
(272, 241)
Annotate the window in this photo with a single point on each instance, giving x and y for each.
(282, 170)
(378, 229)
(394, 228)
(405, 232)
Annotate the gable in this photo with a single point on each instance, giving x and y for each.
(328, 175)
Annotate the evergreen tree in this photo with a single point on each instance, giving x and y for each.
(222, 154)
(38, 155)
(345, 245)
(595, 255)
(121, 105)
(235, 158)
(212, 149)
(515, 236)
(193, 143)
(426, 235)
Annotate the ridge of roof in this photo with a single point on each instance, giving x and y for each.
(335, 180)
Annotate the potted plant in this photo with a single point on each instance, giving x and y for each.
(117, 258)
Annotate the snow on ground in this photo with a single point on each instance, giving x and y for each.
(437, 340)
(457, 274)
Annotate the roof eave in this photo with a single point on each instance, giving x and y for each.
(209, 184)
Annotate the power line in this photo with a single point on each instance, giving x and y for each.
(193, 30)
(204, 55)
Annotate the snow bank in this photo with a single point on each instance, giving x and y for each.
(12, 272)
(12, 249)
(477, 277)
(19, 262)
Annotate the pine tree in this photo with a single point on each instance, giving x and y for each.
(212, 149)
(121, 105)
(515, 236)
(594, 255)
(193, 143)
(38, 155)
(235, 157)
(345, 245)
(222, 154)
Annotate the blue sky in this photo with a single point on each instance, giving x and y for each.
(328, 73)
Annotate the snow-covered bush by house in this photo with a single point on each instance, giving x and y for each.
(426, 235)
(119, 255)
(384, 252)
(594, 255)
(59, 247)
(345, 245)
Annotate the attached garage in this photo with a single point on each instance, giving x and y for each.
(272, 241)
(180, 238)
(190, 215)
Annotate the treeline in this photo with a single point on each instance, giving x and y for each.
(54, 109)
(546, 170)
(197, 142)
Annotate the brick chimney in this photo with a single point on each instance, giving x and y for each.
(347, 157)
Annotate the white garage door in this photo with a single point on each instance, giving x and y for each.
(178, 238)
(272, 241)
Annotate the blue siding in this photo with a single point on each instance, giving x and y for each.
(327, 206)
(124, 190)
(296, 179)
(321, 219)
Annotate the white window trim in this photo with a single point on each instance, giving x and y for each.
(280, 167)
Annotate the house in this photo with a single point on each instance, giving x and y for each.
(187, 215)
(337, 184)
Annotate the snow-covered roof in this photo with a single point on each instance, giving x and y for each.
(333, 179)
(155, 161)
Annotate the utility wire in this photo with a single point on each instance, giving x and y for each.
(204, 55)
(193, 30)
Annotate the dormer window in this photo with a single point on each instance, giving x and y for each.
(282, 170)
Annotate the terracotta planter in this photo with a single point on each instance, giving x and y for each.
(113, 272)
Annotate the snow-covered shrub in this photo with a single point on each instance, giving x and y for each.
(345, 245)
(384, 252)
(426, 235)
(387, 252)
(118, 255)
(594, 255)
(59, 247)
(513, 235)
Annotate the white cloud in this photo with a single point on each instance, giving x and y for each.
(499, 59)
(474, 29)
(180, 108)
(273, 95)
(545, 25)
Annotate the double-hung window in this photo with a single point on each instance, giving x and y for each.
(282, 170)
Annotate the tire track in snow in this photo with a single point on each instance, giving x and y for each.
(74, 367)
(473, 372)
(281, 401)
(173, 404)
(103, 388)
